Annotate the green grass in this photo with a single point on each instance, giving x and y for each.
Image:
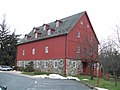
(102, 83)
(28, 73)
(35, 73)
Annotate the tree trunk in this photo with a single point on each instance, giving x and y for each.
(91, 71)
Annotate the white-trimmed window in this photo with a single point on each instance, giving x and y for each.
(23, 52)
(74, 64)
(88, 26)
(46, 64)
(37, 64)
(46, 49)
(78, 34)
(36, 35)
(49, 31)
(81, 22)
(44, 27)
(91, 39)
(55, 64)
(78, 49)
(57, 23)
(33, 51)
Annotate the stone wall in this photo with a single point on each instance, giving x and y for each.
(50, 66)
(74, 67)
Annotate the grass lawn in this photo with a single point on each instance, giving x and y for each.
(35, 73)
(28, 73)
(102, 83)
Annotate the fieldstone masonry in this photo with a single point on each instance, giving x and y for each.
(73, 67)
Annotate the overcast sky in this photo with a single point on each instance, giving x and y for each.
(26, 14)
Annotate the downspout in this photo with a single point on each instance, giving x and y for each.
(65, 55)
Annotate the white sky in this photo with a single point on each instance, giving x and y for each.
(26, 14)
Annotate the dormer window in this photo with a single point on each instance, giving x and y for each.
(50, 31)
(34, 30)
(45, 27)
(58, 23)
(27, 37)
(36, 35)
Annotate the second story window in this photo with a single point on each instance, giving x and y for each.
(33, 51)
(23, 52)
(46, 49)
(78, 34)
(78, 49)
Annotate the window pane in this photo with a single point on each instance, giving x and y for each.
(46, 49)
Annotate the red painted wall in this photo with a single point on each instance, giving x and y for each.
(85, 33)
(56, 49)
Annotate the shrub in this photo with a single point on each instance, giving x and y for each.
(29, 67)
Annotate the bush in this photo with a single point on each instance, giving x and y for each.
(19, 68)
(29, 67)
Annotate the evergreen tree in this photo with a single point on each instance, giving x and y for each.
(8, 44)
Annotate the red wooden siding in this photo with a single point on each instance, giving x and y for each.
(85, 33)
(56, 49)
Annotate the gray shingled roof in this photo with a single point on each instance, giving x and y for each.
(64, 28)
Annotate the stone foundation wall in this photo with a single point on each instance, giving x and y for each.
(50, 66)
(74, 67)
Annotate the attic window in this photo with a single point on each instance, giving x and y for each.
(81, 22)
(34, 30)
(88, 26)
(49, 31)
(45, 27)
(58, 23)
(36, 35)
(27, 37)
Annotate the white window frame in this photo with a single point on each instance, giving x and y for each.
(36, 35)
(88, 26)
(81, 22)
(91, 39)
(55, 64)
(23, 52)
(49, 32)
(78, 34)
(74, 64)
(78, 49)
(57, 23)
(46, 64)
(37, 64)
(44, 27)
(46, 49)
(33, 51)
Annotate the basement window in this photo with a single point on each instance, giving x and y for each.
(55, 64)
(46, 64)
(74, 64)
